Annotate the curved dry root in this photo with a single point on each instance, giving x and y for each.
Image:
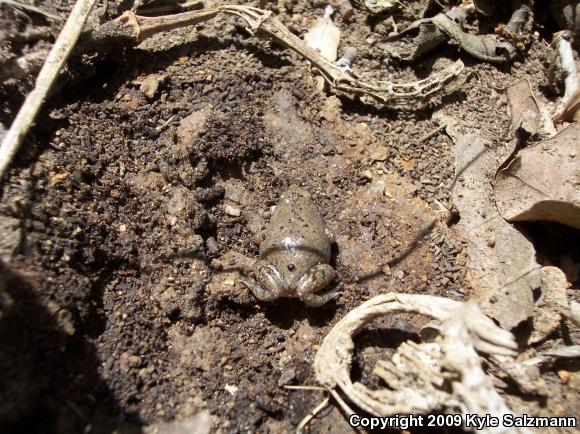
(444, 374)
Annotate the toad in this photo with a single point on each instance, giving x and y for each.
(294, 253)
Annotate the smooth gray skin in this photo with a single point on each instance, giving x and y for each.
(294, 254)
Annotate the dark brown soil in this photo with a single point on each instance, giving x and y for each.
(122, 304)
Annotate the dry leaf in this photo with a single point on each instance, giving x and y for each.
(525, 110)
(543, 181)
(324, 36)
(501, 262)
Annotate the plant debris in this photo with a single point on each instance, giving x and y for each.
(563, 73)
(45, 80)
(527, 113)
(446, 26)
(133, 29)
(541, 182)
(501, 261)
(418, 375)
(324, 36)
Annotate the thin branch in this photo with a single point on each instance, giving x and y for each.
(47, 76)
(133, 29)
(570, 101)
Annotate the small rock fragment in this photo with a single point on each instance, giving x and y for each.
(189, 128)
(232, 210)
(200, 423)
(232, 389)
(386, 270)
(575, 312)
(212, 247)
(346, 60)
(128, 361)
(57, 178)
(574, 381)
(379, 153)
(287, 376)
(150, 85)
(378, 188)
(233, 192)
(376, 7)
(564, 375)
(344, 8)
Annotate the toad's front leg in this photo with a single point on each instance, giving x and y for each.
(317, 278)
(268, 285)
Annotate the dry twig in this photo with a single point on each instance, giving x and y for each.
(566, 64)
(431, 134)
(134, 29)
(46, 78)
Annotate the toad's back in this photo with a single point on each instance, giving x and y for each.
(296, 226)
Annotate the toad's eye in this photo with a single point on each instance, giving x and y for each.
(291, 267)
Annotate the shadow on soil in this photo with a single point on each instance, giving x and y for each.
(49, 382)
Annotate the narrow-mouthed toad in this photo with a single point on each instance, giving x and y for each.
(294, 253)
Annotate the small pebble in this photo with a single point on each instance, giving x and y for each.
(386, 270)
(232, 210)
(286, 377)
(212, 247)
(232, 193)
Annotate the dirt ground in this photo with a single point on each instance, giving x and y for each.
(137, 215)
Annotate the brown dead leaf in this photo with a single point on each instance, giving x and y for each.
(149, 85)
(543, 181)
(501, 262)
(524, 108)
